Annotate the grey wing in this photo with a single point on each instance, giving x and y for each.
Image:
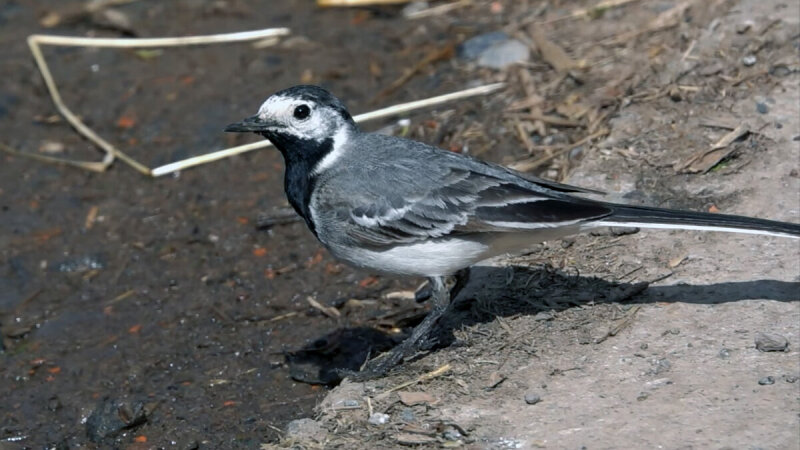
(463, 200)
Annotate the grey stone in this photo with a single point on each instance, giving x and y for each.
(504, 54)
(378, 418)
(472, 48)
(532, 399)
(771, 342)
(766, 381)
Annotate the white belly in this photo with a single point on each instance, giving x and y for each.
(445, 256)
(429, 258)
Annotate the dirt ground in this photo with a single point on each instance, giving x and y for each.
(168, 318)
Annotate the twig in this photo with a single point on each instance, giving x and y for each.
(426, 376)
(750, 77)
(689, 50)
(705, 160)
(552, 120)
(438, 10)
(532, 163)
(282, 316)
(329, 311)
(621, 325)
(281, 217)
(523, 135)
(445, 52)
(122, 296)
(73, 13)
(582, 12)
(667, 19)
(377, 114)
(551, 52)
(181, 41)
(346, 3)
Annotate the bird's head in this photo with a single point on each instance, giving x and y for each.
(300, 116)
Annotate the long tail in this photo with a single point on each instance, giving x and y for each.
(649, 217)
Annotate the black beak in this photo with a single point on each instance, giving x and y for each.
(251, 124)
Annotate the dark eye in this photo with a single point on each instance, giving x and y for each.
(302, 112)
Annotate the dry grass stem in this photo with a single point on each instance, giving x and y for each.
(426, 376)
(439, 9)
(348, 3)
(377, 114)
(34, 43)
(532, 163)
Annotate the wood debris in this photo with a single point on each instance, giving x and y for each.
(667, 19)
(704, 160)
(623, 323)
(416, 398)
(426, 376)
(438, 10)
(350, 3)
(438, 54)
(414, 439)
(329, 311)
(552, 53)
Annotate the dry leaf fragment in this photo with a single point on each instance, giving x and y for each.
(329, 311)
(495, 378)
(416, 398)
(704, 160)
(551, 52)
(91, 218)
(675, 262)
(413, 439)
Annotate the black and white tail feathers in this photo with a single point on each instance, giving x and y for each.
(650, 217)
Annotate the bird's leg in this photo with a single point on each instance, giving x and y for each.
(386, 361)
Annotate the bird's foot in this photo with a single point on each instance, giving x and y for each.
(420, 338)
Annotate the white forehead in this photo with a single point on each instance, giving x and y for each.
(277, 104)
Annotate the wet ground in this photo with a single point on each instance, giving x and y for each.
(146, 313)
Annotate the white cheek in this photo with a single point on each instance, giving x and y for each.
(313, 127)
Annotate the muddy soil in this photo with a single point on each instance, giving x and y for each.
(157, 313)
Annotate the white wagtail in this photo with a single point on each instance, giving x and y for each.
(406, 208)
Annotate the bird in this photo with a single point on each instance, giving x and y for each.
(405, 208)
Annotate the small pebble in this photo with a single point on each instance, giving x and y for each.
(762, 108)
(660, 365)
(790, 378)
(780, 70)
(378, 418)
(504, 54)
(744, 27)
(532, 399)
(452, 435)
(749, 60)
(407, 415)
(766, 381)
(724, 353)
(771, 342)
(472, 48)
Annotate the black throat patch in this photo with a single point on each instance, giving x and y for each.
(300, 156)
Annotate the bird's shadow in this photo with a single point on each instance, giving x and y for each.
(516, 290)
